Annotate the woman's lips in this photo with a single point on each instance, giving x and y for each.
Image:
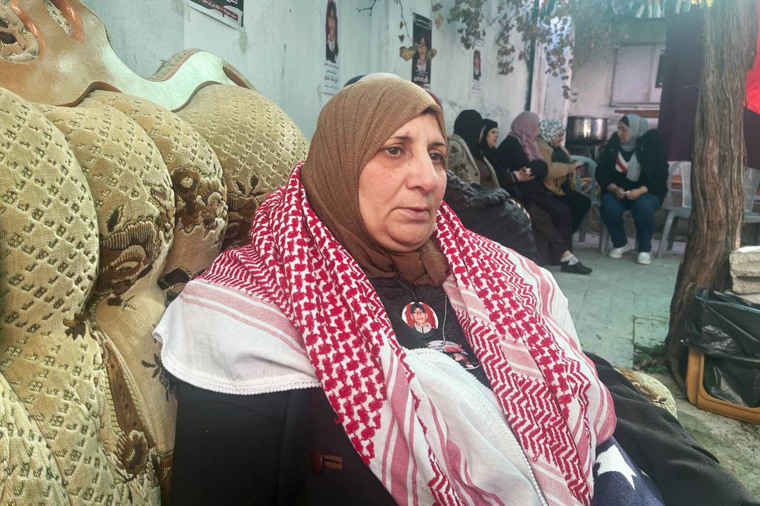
(421, 213)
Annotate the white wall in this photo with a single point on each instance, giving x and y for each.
(548, 96)
(281, 51)
(592, 73)
(143, 33)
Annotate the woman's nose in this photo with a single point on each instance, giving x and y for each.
(423, 173)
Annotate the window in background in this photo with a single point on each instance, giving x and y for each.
(637, 75)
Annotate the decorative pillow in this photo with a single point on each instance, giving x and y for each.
(254, 139)
(56, 442)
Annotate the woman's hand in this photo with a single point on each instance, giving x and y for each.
(524, 174)
(636, 193)
(618, 192)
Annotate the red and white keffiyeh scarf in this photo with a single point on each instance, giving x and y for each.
(557, 410)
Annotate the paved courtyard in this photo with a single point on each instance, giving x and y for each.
(621, 304)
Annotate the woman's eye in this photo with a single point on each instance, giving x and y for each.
(437, 157)
(393, 151)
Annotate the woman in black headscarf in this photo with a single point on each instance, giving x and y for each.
(466, 159)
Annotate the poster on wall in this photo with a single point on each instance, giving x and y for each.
(229, 12)
(421, 33)
(476, 76)
(331, 76)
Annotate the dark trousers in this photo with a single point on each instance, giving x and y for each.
(550, 242)
(579, 205)
(642, 209)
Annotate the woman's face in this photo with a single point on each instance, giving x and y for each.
(492, 137)
(624, 133)
(557, 141)
(402, 186)
(331, 23)
(422, 48)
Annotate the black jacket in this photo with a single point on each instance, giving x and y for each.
(510, 156)
(492, 214)
(653, 161)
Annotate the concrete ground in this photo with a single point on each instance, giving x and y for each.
(623, 305)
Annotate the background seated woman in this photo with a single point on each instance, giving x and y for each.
(633, 174)
(551, 219)
(560, 180)
(301, 373)
(466, 158)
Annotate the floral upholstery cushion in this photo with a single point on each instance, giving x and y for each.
(106, 210)
(653, 389)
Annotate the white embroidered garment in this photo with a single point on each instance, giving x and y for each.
(301, 288)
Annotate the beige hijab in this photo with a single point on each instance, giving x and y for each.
(351, 128)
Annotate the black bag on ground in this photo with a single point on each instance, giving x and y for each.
(726, 329)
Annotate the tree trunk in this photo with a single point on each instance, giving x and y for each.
(718, 162)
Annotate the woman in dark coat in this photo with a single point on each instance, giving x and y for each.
(551, 219)
(633, 174)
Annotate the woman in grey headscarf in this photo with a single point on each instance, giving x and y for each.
(632, 173)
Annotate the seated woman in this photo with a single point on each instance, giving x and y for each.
(633, 174)
(560, 180)
(488, 147)
(466, 159)
(304, 379)
(551, 219)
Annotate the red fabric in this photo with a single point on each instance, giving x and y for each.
(753, 79)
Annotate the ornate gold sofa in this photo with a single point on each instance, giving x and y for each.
(114, 191)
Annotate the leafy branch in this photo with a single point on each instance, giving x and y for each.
(561, 27)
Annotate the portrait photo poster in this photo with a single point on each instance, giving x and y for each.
(331, 74)
(421, 33)
(476, 76)
(229, 12)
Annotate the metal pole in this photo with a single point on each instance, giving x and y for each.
(531, 57)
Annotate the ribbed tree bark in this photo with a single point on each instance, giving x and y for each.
(718, 162)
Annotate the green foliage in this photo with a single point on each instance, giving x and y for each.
(469, 14)
(562, 27)
(649, 359)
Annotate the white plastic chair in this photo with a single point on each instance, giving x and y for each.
(591, 193)
(677, 206)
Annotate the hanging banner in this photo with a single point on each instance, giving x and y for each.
(421, 33)
(476, 76)
(229, 12)
(331, 74)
